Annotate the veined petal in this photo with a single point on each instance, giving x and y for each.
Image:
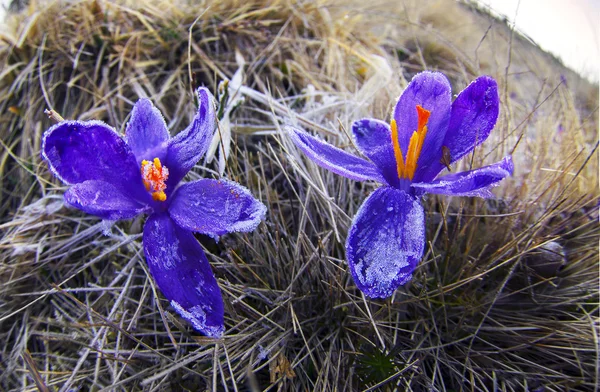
(215, 207)
(103, 199)
(476, 182)
(373, 138)
(386, 241)
(147, 132)
(188, 146)
(474, 114)
(335, 159)
(78, 151)
(181, 271)
(431, 91)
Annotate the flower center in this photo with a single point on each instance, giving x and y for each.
(407, 169)
(154, 175)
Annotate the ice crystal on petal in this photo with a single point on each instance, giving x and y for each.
(197, 317)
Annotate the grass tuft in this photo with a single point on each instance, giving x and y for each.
(506, 297)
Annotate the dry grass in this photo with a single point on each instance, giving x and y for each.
(506, 297)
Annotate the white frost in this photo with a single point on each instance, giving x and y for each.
(197, 317)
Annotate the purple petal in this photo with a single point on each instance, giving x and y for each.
(474, 114)
(146, 132)
(476, 182)
(186, 149)
(386, 241)
(103, 199)
(335, 159)
(181, 271)
(432, 91)
(215, 207)
(78, 151)
(374, 139)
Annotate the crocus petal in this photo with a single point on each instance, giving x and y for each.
(432, 91)
(215, 207)
(386, 241)
(181, 271)
(188, 146)
(474, 114)
(103, 199)
(476, 182)
(374, 139)
(78, 151)
(335, 159)
(147, 132)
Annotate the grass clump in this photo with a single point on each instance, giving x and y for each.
(506, 296)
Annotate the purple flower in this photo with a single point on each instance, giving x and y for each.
(427, 133)
(116, 177)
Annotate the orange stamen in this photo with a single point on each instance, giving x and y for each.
(397, 150)
(154, 175)
(407, 169)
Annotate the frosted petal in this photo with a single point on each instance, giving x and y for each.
(374, 139)
(188, 146)
(216, 207)
(78, 151)
(431, 91)
(473, 116)
(104, 200)
(335, 159)
(477, 182)
(181, 271)
(386, 241)
(147, 132)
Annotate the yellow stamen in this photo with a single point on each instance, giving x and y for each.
(397, 150)
(159, 196)
(407, 170)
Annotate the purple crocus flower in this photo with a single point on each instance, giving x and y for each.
(427, 133)
(116, 177)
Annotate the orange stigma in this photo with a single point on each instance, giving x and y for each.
(406, 169)
(154, 175)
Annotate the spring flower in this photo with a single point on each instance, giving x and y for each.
(428, 132)
(115, 177)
